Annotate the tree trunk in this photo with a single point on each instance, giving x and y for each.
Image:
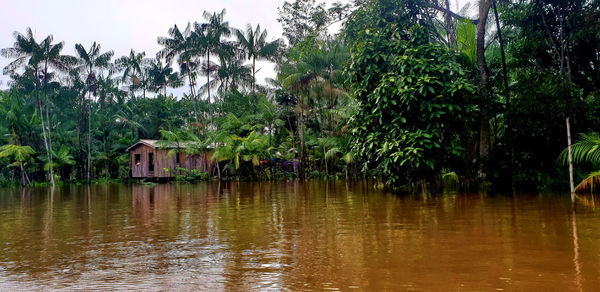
(22, 174)
(208, 75)
(508, 132)
(253, 74)
(301, 136)
(325, 160)
(484, 102)
(194, 99)
(89, 148)
(45, 136)
(347, 171)
(450, 27)
(572, 185)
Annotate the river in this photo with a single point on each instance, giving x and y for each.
(294, 236)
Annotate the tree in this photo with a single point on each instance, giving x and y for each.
(586, 150)
(89, 62)
(302, 18)
(254, 44)
(179, 44)
(208, 37)
(162, 76)
(415, 100)
(132, 68)
(38, 58)
(232, 72)
(20, 155)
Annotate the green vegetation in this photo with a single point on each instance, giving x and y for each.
(409, 91)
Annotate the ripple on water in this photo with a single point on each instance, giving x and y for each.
(292, 236)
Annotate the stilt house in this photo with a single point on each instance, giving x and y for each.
(151, 159)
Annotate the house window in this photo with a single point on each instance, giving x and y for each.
(137, 159)
(179, 158)
(150, 161)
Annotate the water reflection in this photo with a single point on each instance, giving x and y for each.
(291, 235)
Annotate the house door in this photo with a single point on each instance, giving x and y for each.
(151, 163)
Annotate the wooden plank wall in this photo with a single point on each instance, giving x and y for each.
(138, 171)
(162, 162)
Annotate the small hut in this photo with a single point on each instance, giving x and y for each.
(150, 159)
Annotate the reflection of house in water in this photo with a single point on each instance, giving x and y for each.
(149, 159)
(149, 203)
(165, 202)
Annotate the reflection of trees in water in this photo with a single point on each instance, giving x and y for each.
(288, 234)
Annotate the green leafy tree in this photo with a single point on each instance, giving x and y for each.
(414, 103)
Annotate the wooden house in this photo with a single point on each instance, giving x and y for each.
(150, 159)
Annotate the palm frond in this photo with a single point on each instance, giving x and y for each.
(588, 183)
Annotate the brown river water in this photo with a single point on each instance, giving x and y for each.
(294, 236)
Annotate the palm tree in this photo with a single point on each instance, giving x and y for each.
(63, 158)
(254, 43)
(19, 155)
(37, 59)
(235, 149)
(208, 38)
(586, 150)
(299, 79)
(183, 45)
(179, 44)
(89, 62)
(232, 72)
(132, 66)
(162, 76)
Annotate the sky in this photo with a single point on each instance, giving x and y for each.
(122, 25)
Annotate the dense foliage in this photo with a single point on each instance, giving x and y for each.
(409, 91)
(415, 101)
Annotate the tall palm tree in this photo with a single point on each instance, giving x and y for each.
(179, 44)
(132, 66)
(89, 62)
(183, 45)
(162, 76)
(254, 43)
(208, 37)
(37, 59)
(232, 72)
(303, 78)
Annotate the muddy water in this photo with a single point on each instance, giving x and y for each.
(294, 236)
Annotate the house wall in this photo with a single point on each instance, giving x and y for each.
(140, 170)
(199, 161)
(162, 162)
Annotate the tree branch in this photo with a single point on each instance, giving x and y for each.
(454, 15)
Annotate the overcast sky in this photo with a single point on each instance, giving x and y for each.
(122, 25)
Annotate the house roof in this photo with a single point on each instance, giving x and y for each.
(162, 144)
(147, 142)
